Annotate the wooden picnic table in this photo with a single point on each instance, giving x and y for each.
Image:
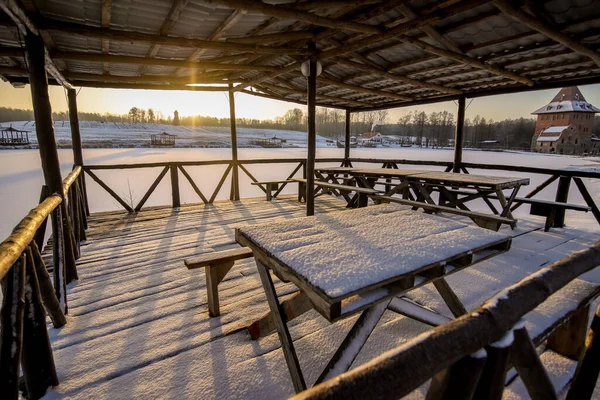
(423, 183)
(356, 261)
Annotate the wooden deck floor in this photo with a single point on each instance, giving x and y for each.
(138, 323)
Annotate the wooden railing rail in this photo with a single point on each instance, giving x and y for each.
(457, 345)
(27, 288)
(565, 176)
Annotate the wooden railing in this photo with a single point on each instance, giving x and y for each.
(27, 288)
(468, 357)
(564, 176)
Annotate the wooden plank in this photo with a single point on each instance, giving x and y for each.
(587, 197)
(459, 381)
(450, 298)
(285, 338)
(588, 367)
(569, 339)
(151, 189)
(527, 363)
(37, 361)
(109, 190)
(193, 184)
(417, 312)
(218, 257)
(11, 344)
(294, 306)
(353, 342)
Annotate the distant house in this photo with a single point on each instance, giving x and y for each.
(163, 139)
(565, 124)
(13, 137)
(373, 137)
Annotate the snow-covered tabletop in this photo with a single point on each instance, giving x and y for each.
(343, 253)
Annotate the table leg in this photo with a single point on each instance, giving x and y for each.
(285, 338)
(354, 342)
(506, 204)
(449, 297)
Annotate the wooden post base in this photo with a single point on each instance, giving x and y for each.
(214, 275)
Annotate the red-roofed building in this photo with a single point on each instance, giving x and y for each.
(565, 124)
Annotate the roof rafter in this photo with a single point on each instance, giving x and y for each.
(546, 29)
(27, 27)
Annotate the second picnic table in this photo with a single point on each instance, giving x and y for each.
(360, 260)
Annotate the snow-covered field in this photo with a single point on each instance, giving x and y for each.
(118, 134)
(21, 177)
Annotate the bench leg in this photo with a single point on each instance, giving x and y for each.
(285, 338)
(292, 307)
(449, 297)
(269, 191)
(363, 200)
(301, 191)
(214, 276)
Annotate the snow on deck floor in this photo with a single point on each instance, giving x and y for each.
(138, 322)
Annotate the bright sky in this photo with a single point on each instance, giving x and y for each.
(119, 101)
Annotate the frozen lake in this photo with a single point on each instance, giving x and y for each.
(21, 176)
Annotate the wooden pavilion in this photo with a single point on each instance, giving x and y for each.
(163, 139)
(13, 137)
(356, 56)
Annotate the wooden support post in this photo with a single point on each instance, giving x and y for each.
(347, 138)
(46, 289)
(76, 140)
(562, 195)
(37, 361)
(588, 368)
(175, 186)
(459, 133)
(11, 340)
(527, 363)
(458, 381)
(235, 181)
(36, 60)
(312, 133)
(491, 382)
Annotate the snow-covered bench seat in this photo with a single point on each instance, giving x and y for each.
(488, 221)
(216, 266)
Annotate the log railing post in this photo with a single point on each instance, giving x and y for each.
(58, 259)
(347, 138)
(175, 186)
(235, 182)
(36, 60)
(459, 134)
(76, 141)
(312, 133)
(588, 368)
(562, 195)
(11, 342)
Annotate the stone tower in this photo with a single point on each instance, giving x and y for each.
(565, 125)
(176, 118)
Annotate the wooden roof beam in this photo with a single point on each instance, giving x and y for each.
(328, 80)
(172, 17)
(131, 36)
(289, 13)
(397, 78)
(547, 29)
(27, 27)
(105, 23)
(293, 89)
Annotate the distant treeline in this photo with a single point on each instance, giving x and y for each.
(428, 129)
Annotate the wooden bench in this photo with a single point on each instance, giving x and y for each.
(271, 186)
(487, 221)
(362, 193)
(216, 265)
(543, 208)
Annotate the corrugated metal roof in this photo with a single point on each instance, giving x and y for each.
(478, 30)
